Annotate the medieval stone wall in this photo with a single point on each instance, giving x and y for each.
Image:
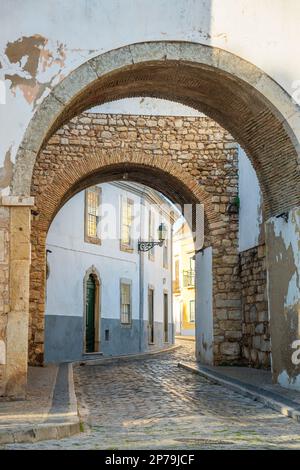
(202, 148)
(256, 335)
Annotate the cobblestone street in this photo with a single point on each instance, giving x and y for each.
(151, 403)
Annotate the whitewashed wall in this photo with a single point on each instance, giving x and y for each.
(71, 257)
(74, 31)
(250, 214)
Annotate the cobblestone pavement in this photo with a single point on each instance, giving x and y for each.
(151, 403)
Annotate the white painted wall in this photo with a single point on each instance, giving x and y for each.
(155, 275)
(265, 33)
(204, 307)
(250, 214)
(146, 106)
(71, 257)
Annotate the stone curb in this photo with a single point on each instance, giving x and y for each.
(129, 357)
(270, 399)
(57, 429)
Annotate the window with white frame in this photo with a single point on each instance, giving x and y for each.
(127, 207)
(166, 254)
(125, 302)
(92, 209)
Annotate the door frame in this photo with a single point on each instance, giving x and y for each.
(94, 272)
(151, 288)
(166, 339)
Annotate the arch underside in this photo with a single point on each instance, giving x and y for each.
(235, 105)
(99, 166)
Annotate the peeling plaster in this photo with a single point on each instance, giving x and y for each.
(283, 258)
(2, 353)
(36, 63)
(290, 235)
(286, 381)
(6, 172)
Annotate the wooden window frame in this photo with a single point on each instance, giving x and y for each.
(88, 238)
(124, 246)
(190, 302)
(129, 283)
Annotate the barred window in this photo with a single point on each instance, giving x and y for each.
(126, 223)
(92, 203)
(125, 303)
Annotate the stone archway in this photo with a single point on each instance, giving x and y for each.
(160, 173)
(256, 110)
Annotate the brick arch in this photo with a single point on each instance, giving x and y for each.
(96, 166)
(242, 98)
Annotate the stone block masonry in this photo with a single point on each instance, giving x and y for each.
(199, 147)
(256, 345)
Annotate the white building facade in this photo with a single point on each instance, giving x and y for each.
(104, 295)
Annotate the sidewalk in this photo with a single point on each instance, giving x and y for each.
(49, 411)
(253, 383)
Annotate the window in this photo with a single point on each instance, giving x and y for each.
(125, 303)
(165, 255)
(92, 204)
(189, 274)
(126, 224)
(192, 311)
(176, 282)
(192, 263)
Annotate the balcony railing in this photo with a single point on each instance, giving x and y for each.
(189, 278)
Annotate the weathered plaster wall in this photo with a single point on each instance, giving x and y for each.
(283, 262)
(38, 50)
(70, 258)
(251, 229)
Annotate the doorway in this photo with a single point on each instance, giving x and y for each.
(90, 314)
(151, 315)
(166, 318)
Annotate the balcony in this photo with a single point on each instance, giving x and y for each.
(189, 278)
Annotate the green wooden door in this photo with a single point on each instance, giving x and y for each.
(151, 316)
(90, 315)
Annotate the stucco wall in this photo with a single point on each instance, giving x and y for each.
(283, 263)
(251, 229)
(41, 42)
(70, 258)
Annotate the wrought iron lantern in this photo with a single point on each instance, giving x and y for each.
(148, 245)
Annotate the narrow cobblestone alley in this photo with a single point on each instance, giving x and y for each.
(151, 403)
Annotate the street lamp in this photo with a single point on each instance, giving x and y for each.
(148, 245)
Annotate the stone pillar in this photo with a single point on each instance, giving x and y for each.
(283, 268)
(18, 314)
